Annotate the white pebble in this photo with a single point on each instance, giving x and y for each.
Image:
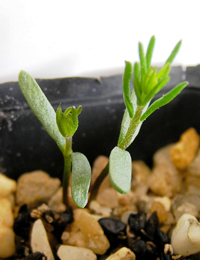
(186, 236)
(66, 252)
(39, 240)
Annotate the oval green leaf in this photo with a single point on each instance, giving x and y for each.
(81, 177)
(41, 107)
(120, 169)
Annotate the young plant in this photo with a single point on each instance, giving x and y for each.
(61, 126)
(147, 82)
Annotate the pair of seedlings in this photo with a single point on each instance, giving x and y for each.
(61, 126)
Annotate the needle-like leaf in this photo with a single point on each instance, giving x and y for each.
(164, 100)
(142, 61)
(126, 88)
(174, 52)
(150, 52)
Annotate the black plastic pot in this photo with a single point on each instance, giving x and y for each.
(25, 146)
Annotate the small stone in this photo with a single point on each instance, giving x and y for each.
(126, 199)
(189, 204)
(140, 174)
(160, 210)
(108, 197)
(119, 211)
(100, 210)
(7, 186)
(165, 180)
(35, 188)
(123, 253)
(86, 232)
(39, 240)
(6, 214)
(165, 201)
(56, 201)
(7, 241)
(184, 151)
(98, 165)
(186, 236)
(75, 253)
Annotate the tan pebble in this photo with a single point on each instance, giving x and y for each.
(123, 253)
(165, 180)
(35, 188)
(184, 151)
(160, 210)
(108, 197)
(56, 201)
(75, 253)
(125, 199)
(98, 166)
(7, 186)
(6, 214)
(121, 210)
(39, 240)
(87, 228)
(140, 173)
(7, 241)
(165, 201)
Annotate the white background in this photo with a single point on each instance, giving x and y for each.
(63, 38)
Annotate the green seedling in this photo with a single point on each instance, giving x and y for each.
(147, 82)
(61, 126)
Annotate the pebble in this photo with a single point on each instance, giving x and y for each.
(185, 238)
(123, 253)
(165, 179)
(7, 186)
(185, 150)
(7, 241)
(7, 236)
(108, 197)
(56, 201)
(98, 165)
(39, 240)
(140, 173)
(86, 232)
(183, 203)
(66, 252)
(35, 188)
(160, 210)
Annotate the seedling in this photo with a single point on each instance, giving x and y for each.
(61, 126)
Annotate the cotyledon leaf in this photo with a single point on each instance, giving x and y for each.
(41, 107)
(120, 170)
(81, 177)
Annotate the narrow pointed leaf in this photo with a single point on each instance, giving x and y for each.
(142, 62)
(174, 52)
(41, 107)
(150, 52)
(136, 82)
(126, 88)
(120, 170)
(81, 177)
(155, 90)
(164, 100)
(164, 71)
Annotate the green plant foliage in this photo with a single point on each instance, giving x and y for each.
(68, 121)
(81, 177)
(41, 107)
(120, 170)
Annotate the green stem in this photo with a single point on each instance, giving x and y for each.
(133, 129)
(97, 183)
(67, 169)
